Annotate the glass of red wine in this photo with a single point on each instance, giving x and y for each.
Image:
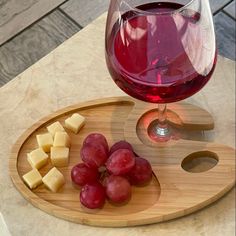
(160, 52)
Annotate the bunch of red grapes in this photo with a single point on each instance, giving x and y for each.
(108, 173)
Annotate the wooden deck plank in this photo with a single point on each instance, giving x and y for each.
(17, 15)
(230, 9)
(85, 11)
(216, 5)
(34, 43)
(225, 34)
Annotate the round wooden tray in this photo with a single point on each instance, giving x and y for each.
(173, 192)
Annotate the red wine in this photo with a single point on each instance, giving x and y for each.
(149, 55)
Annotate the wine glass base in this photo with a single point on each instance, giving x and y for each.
(164, 133)
(184, 120)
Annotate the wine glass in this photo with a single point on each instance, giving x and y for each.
(160, 52)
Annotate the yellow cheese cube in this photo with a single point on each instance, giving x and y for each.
(59, 156)
(33, 178)
(55, 127)
(61, 139)
(37, 158)
(75, 122)
(54, 179)
(45, 141)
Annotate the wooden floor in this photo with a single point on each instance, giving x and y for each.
(30, 29)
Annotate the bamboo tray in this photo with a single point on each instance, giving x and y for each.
(177, 189)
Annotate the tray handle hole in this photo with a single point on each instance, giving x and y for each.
(198, 162)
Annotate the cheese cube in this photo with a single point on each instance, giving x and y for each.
(75, 122)
(37, 158)
(45, 141)
(61, 139)
(55, 127)
(54, 179)
(32, 178)
(59, 156)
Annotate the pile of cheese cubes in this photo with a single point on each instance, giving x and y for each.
(57, 143)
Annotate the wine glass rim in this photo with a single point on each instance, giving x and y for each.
(161, 13)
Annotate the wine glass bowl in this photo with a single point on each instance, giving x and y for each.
(160, 51)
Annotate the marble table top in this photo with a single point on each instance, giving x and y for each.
(76, 72)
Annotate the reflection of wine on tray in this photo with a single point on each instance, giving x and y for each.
(154, 66)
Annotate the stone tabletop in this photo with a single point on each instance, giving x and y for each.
(76, 72)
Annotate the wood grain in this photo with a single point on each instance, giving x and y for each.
(31, 45)
(225, 34)
(17, 15)
(230, 9)
(216, 5)
(85, 11)
(173, 192)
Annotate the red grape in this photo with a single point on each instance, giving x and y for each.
(118, 189)
(120, 162)
(81, 174)
(141, 173)
(97, 139)
(94, 155)
(121, 145)
(93, 195)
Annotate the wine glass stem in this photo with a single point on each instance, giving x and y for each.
(162, 128)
